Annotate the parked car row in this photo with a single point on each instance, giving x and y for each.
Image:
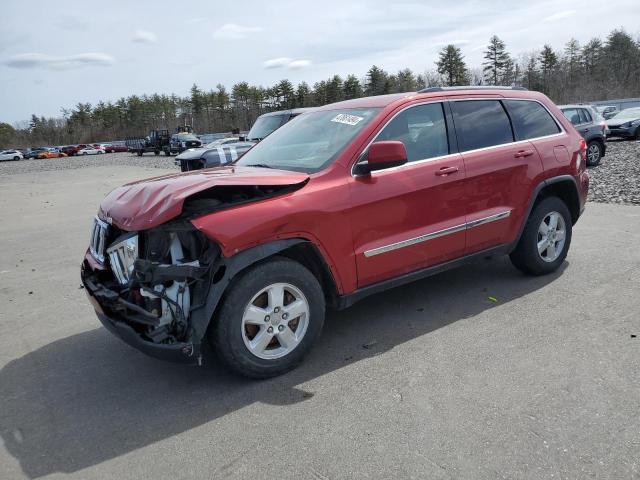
(591, 124)
(61, 151)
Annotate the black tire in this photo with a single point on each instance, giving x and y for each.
(593, 147)
(525, 257)
(16, 158)
(156, 152)
(167, 153)
(140, 152)
(226, 334)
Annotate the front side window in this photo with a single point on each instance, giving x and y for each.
(481, 123)
(530, 119)
(422, 129)
(311, 142)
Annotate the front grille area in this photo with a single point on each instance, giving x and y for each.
(122, 255)
(98, 239)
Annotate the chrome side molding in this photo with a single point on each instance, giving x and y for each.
(440, 233)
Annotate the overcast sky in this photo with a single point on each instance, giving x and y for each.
(55, 54)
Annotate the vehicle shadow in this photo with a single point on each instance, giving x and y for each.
(87, 398)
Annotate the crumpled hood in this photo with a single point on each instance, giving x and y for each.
(151, 202)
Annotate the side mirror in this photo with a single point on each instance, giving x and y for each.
(381, 155)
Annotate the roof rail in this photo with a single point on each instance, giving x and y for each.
(475, 87)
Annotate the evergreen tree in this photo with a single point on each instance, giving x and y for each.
(548, 63)
(351, 88)
(496, 62)
(451, 65)
(376, 83)
(303, 95)
(405, 81)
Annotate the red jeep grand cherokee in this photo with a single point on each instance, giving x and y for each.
(342, 202)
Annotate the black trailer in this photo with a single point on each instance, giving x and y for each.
(155, 142)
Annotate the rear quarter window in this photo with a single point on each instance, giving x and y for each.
(481, 123)
(530, 119)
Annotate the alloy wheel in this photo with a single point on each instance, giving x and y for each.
(551, 236)
(593, 154)
(275, 321)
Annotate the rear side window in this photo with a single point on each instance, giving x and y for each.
(573, 115)
(422, 129)
(530, 119)
(585, 115)
(481, 123)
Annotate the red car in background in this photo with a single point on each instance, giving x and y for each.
(115, 148)
(342, 202)
(70, 150)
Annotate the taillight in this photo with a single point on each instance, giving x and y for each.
(581, 155)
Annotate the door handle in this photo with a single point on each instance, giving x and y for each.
(444, 171)
(523, 153)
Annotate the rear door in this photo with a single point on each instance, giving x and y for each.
(499, 171)
(412, 216)
(578, 118)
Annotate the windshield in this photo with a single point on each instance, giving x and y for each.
(630, 114)
(264, 126)
(311, 141)
(187, 137)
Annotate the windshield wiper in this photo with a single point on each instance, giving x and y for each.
(261, 165)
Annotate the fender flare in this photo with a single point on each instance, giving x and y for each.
(534, 196)
(230, 267)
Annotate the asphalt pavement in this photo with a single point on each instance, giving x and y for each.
(427, 381)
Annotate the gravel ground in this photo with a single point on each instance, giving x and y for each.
(615, 180)
(106, 160)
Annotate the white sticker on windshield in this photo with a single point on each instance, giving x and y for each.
(347, 119)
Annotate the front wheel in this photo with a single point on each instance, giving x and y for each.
(269, 319)
(545, 239)
(594, 153)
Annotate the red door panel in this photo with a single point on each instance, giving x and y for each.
(408, 218)
(498, 187)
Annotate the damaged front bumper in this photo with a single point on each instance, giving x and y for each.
(109, 307)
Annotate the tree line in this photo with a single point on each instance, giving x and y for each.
(597, 70)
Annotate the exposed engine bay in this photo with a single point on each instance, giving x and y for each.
(153, 279)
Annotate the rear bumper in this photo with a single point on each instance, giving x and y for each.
(179, 352)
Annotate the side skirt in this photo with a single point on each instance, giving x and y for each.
(345, 301)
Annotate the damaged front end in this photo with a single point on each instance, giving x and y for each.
(147, 287)
(154, 278)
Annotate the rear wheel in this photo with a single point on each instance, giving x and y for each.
(545, 240)
(594, 153)
(140, 152)
(269, 319)
(16, 158)
(156, 152)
